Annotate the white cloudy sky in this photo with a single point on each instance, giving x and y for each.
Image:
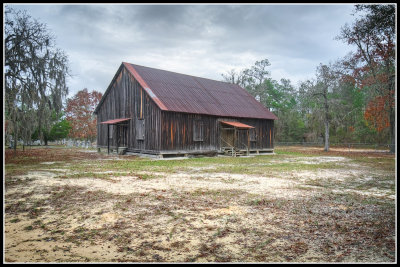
(200, 40)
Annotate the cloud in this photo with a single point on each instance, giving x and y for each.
(200, 40)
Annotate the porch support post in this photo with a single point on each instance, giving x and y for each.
(117, 126)
(234, 137)
(108, 138)
(234, 141)
(248, 142)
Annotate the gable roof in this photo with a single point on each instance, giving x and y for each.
(177, 92)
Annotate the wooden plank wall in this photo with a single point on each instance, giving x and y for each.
(123, 101)
(264, 133)
(177, 132)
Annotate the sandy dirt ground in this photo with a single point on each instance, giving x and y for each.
(342, 213)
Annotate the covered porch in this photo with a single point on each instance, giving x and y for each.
(235, 138)
(119, 129)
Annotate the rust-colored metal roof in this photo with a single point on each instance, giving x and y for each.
(238, 125)
(177, 92)
(115, 121)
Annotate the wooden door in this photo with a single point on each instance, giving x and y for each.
(122, 136)
(227, 137)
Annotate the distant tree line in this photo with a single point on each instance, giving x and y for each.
(348, 101)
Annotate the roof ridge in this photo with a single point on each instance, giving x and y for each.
(178, 73)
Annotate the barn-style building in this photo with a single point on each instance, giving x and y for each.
(153, 111)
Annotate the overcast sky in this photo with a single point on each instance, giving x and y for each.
(199, 40)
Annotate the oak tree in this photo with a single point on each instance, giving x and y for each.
(79, 112)
(35, 74)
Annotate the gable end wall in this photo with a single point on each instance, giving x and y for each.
(123, 101)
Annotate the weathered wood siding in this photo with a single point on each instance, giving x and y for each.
(124, 101)
(264, 133)
(177, 132)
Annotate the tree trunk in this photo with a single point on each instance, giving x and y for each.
(326, 148)
(15, 142)
(392, 131)
(326, 122)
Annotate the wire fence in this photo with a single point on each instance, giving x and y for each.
(338, 145)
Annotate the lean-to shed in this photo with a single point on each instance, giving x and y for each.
(154, 111)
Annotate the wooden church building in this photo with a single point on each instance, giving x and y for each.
(153, 111)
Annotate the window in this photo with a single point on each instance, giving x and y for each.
(198, 130)
(140, 129)
(253, 135)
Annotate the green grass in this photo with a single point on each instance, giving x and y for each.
(217, 193)
(252, 165)
(105, 176)
(28, 228)
(290, 153)
(15, 220)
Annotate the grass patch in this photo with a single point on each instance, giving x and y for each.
(232, 193)
(28, 228)
(146, 176)
(285, 152)
(18, 207)
(386, 164)
(15, 220)
(12, 180)
(268, 203)
(69, 197)
(316, 182)
(82, 234)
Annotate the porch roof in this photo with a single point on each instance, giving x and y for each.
(238, 125)
(115, 121)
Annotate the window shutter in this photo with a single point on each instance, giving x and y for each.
(140, 129)
(198, 130)
(253, 135)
